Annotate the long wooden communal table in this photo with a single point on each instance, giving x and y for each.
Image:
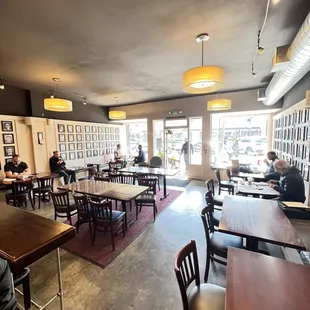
(257, 190)
(110, 190)
(256, 281)
(26, 237)
(159, 172)
(258, 220)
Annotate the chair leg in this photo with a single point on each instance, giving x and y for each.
(89, 225)
(124, 228)
(40, 200)
(94, 235)
(112, 238)
(77, 225)
(154, 211)
(219, 189)
(31, 202)
(137, 211)
(130, 206)
(207, 268)
(55, 216)
(69, 218)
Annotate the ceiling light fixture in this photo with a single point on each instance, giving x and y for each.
(57, 104)
(1, 83)
(275, 1)
(219, 104)
(203, 79)
(117, 114)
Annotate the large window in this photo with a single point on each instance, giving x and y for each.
(195, 138)
(241, 137)
(137, 134)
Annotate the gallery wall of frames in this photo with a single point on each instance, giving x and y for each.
(292, 138)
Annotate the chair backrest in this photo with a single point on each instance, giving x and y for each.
(129, 179)
(210, 186)
(119, 164)
(46, 181)
(81, 202)
(60, 199)
(207, 219)
(218, 175)
(101, 211)
(186, 269)
(102, 177)
(19, 187)
(115, 177)
(209, 199)
(228, 173)
(150, 182)
(156, 162)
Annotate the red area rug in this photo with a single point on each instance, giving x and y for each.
(101, 253)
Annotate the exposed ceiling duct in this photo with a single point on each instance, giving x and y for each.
(299, 65)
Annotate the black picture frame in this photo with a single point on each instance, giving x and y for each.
(70, 137)
(87, 129)
(88, 145)
(79, 138)
(93, 129)
(95, 145)
(106, 137)
(100, 130)
(8, 160)
(100, 137)
(108, 151)
(101, 152)
(305, 173)
(8, 138)
(79, 146)
(80, 155)
(9, 150)
(72, 155)
(101, 146)
(117, 130)
(87, 137)
(70, 128)
(95, 153)
(106, 129)
(62, 147)
(94, 137)
(111, 130)
(40, 138)
(7, 126)
(89, 153)
(63, 156)
(71, 147)
(78, 128)
(61, 128)
(62, 138)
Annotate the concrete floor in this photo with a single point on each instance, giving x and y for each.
(142, 276)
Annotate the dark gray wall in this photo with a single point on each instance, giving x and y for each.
(84, 113)
(297, 93)
(15, 101)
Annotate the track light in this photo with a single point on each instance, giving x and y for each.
(254, 75)
(1, 83)
(260, 50)
(84, 100)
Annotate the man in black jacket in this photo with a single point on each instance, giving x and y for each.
(58, 165)
(141, 157)
(291, 185)
(7, 296)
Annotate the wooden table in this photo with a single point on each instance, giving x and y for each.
(258, 220)
(26, 237)
(34, 176)
(256, 176)
(257, 190)
(255, 281)
(110, 190)
(152, 171)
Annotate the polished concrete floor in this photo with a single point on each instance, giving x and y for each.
(142, 276)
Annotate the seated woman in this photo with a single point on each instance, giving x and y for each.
(118, 153)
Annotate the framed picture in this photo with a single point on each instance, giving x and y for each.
(61, 128)
(63, 156)
(7, 125)
(107, 144)
(62, 138)
(87, 129)
(100, 137)
(79, 146)
(95, 145)
(101, 145)
(101, 152)
(95, 152)
(8, 138)
(108, 151)
(88, 153)
(99, 129)
(88, 145)
(70, 128)
(8, 160)
(40, 138)
(80, 155)
(88, 137)
(62, 147)
(117, 137)
(116, 130)
(111, 137)
(106, 137)
(94, 137)
(71, 147)
(113, 144)
(93, 129)
(9, 151)
(72, 155)
(78, 128)
(111, 130)
(79, 137)
(71, 138)
(106, 129)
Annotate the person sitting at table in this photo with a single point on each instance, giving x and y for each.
(16, 169)
(118, 153)
(58, 165)
(8, 300)
(141, 156)
(291, 185)
(271, 173)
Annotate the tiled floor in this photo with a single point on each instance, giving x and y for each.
(142, 276)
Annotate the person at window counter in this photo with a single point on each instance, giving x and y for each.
(58, 165)
(291, 185)
(118, 153)
(16, 168)
(271, 173)
(141, 156)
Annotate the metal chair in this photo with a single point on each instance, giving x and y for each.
(224, 185)
(45, 186)
(201, 295)
(105, 218)
(62, 206)
(21, 191)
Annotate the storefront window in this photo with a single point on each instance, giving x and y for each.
(195, 139)
(137, 134)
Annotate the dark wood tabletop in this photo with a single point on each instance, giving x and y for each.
(26, 237)
(259, 218)
(255, 189)
(256, 281)
(117, 191)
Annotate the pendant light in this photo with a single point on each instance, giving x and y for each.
(204, 79)
(57, 104)
(117, 114)
(219, 104)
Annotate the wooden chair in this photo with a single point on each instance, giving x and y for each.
(232, 179)
(224, 185)
(115, 177)
(45, 186)
(21, 191)
(23, 279)
(217, 242)
(104, 218)
(102, 177)
(83, 211)
(202, 295)
(62, 206)
(217, 199)
(148, 198)
(215, 212)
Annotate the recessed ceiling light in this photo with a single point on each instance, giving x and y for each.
(56, 80)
